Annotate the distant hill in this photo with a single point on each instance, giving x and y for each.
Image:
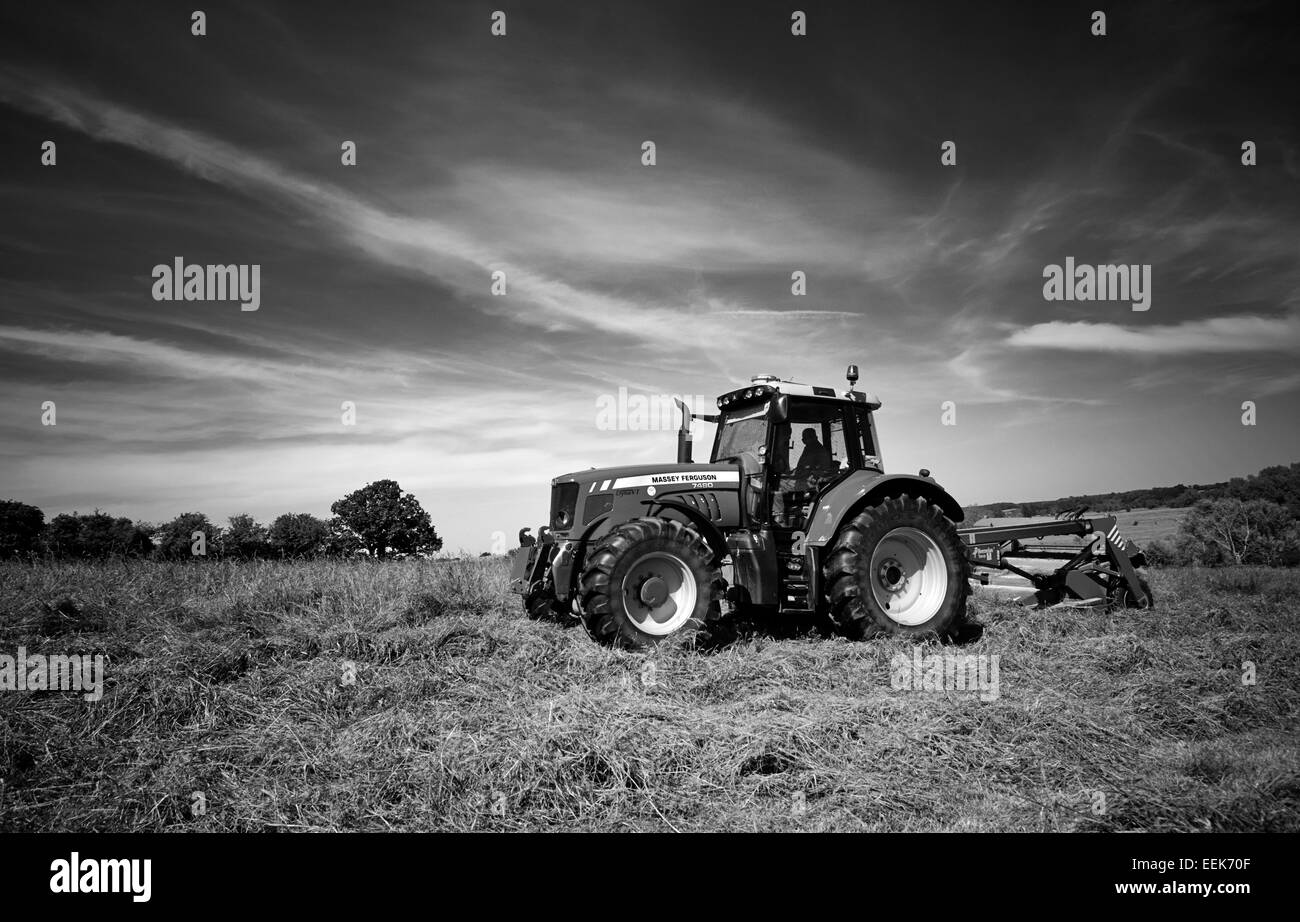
(1279, 484)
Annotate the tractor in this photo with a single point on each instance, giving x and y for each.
(793, 515)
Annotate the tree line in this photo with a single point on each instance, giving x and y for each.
(1279, 484)
(378, 520)
(1251, 520)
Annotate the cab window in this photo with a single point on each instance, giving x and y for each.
(813, 440)
(864, 432)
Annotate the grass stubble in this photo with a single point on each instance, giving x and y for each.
(231, 680)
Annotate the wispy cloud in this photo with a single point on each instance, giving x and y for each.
(680, 228)
(1242, 333)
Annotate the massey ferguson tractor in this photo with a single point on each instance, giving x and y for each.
(793, 514)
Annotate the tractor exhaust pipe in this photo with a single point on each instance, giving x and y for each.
(684, 434)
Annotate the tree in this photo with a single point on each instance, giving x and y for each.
(102, 535)
(298, 534)
(20, 528)
(175, 539)
(1277, 484)
(387, 521)
(244, 538)
(340, 541)
(96, 536)
(63, 535)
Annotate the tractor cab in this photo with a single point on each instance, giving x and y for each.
(791, 442)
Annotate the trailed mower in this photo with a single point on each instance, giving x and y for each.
(793, 515)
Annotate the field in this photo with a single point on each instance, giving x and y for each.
(232, 681)
(1147, 525)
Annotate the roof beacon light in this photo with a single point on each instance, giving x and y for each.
(852, 375)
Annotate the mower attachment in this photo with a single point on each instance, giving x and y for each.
(1104, 570)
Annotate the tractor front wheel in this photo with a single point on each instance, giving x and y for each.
(897, 568)
(540, 604)
(648, 580)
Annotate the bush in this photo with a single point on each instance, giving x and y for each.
(176, 539)
(1233, 531)
(244, 538)
(1166, 553)
(20, 528)
(299, 534)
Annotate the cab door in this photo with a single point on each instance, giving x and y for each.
(814, 429)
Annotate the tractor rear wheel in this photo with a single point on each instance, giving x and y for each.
(897, 568)
(648, 580)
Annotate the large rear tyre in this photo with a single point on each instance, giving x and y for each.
(648, 580)
(897, 568)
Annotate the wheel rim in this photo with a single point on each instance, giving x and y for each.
(659, 593)
(1126, 599)
(909, 577)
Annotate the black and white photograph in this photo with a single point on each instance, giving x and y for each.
(468, 419)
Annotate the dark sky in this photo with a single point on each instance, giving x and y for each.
(522, 153)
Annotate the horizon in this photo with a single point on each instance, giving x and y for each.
(155, 525)
(522, 154)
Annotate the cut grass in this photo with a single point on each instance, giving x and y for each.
(228, 679)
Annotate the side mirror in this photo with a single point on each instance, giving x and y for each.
(779, 410)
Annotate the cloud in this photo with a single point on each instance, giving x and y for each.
(977, 369)
(504, 225)
(793, 315)
(1244, 333)
(157, 358)
(426, 245)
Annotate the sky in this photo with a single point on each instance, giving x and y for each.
(523, 153)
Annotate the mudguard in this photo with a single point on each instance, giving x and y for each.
(861, 489)
(567, 556)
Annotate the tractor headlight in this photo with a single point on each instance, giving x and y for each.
(564, 500)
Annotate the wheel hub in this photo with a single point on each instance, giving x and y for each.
(891, 575)
(659, 593)
(909, 576)
(654, 591)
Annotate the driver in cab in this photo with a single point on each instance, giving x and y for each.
(815, 459)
